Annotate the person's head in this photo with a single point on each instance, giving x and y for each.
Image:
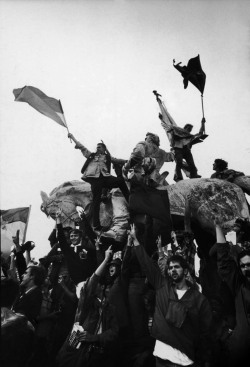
(188, 127)
(177, 268)
(66, 231)
(75, 236)
(244, 263)
(34, 275)
(219, 164)
(9, 292)
(100, 148)
(152, 138)
(114, 267)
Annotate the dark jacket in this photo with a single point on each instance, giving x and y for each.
(239, 342)
(29, 304)
(88, 313)
(91, 157)
(183, 323)
(79, 268)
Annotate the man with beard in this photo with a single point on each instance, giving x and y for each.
(182, 314)
(237, 276)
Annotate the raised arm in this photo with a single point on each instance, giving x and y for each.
(101, 268)
(227, 267)
(202, 129)
(79, 145)
(148, 266)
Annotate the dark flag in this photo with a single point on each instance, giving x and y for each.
(148, 200)
(192, 73)
(155, 204)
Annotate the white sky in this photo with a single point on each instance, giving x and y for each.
(103, 59)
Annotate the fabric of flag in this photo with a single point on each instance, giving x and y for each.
(11, 221)
(169, 125)
(48, 106)
(192, 73)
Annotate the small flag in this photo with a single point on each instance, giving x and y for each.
(11, 221)
(192, 73)
(48, 106)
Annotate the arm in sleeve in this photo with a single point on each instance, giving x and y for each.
(168, 156)
(84, 151)
(148, 266)
(118, 160)
(126, 266)
(80, 146)
(20, 264)
(227, 267)
(62, 240)
(136, 156)
(204, 342)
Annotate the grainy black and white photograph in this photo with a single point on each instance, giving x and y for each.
(125, 183)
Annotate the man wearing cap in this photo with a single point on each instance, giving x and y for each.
(96, 171)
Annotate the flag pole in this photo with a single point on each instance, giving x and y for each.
(202, 105)
(66, 125)
(26, 225)
(202, 110)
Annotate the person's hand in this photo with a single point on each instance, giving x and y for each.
(70, 136)
(61, 282)
(87, 337)
(15, 238)
(80, 212)
(28, 246)
(133, 235)
(132, 232)
(160, 116)
(108, 253)
(203, 120)
(130, 240)
(124, 172)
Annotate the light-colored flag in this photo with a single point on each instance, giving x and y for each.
(167, 121)
(48, 106)
(11, 221)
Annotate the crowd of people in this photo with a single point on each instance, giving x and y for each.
(140, 303)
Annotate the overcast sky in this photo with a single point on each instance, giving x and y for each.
(103, 59)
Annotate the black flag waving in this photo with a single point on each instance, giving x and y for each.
(192, 73)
